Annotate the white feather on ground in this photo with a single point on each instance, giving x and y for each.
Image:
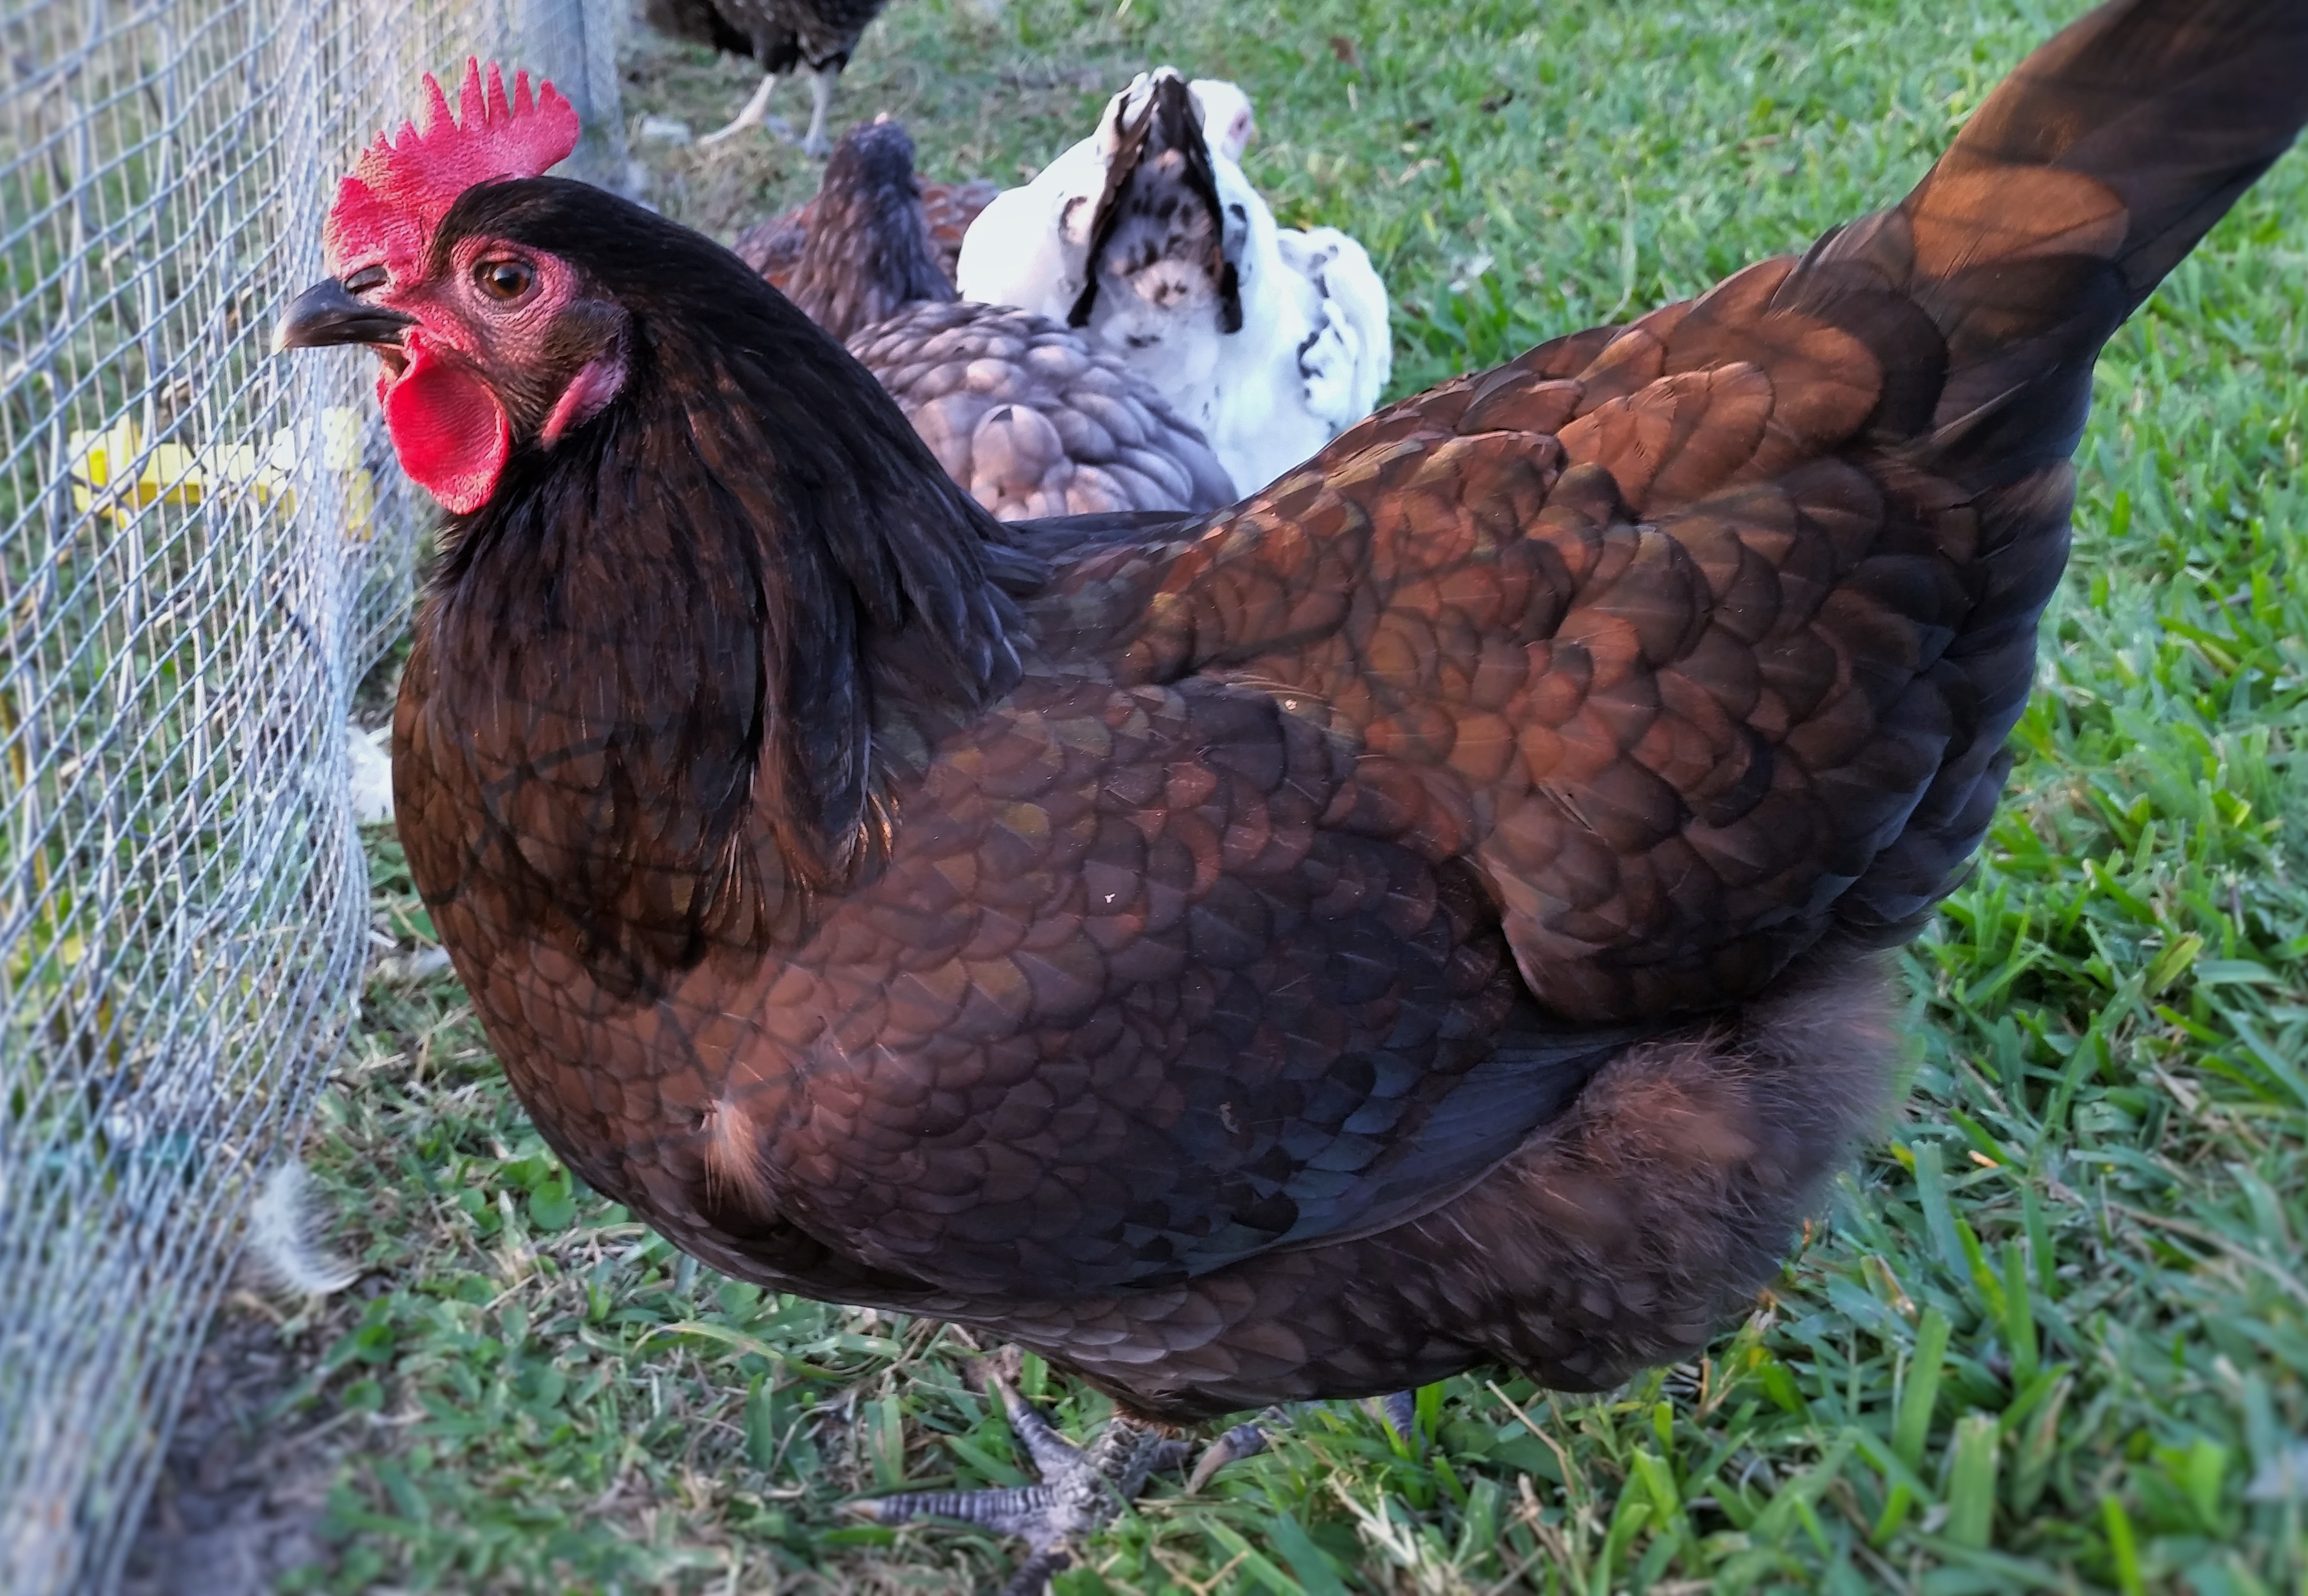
(288, 1249)
(1314, 349)
(369, 769)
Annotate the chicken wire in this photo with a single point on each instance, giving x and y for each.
(201, 549)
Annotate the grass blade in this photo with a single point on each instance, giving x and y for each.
(1913, 1425)
(1971, 1480)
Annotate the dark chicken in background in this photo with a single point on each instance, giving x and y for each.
(781, 36)
(1417, 919)
(1023, 412)
(773, 247)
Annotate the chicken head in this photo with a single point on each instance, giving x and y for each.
(482, 343)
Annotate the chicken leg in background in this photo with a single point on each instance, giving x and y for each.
(1149, 238)
(783, 36)
(1018, 410)
(1420, 918)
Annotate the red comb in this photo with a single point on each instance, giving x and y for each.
(399, 192)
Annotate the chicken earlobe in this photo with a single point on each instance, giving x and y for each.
(595, 383)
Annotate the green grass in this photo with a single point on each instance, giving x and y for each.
(2052, 1333)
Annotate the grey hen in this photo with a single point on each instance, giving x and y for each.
(783, 36)
(1021, 410)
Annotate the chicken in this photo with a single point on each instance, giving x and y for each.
(1038, 219)
(1272, 339)
(1421, 916)
(780, 34)
(773, 247)
(1226, 108)
(1019, 410)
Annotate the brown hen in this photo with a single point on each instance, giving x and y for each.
(1413, 919)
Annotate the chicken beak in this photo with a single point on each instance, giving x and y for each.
(327, 314)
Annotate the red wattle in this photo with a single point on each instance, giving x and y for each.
(448, 428)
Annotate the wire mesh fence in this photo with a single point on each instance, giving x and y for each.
(200, 548)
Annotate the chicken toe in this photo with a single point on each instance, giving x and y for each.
(1081, 1490)
(1243, 1440)
(1399, 1411)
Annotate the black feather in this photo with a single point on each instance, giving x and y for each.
(807, 542)
(779, 34)
(1169, 121)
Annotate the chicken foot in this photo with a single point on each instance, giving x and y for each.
(757, 114)
(1081, 1490)
(1399, 1411)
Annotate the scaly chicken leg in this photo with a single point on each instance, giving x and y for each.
(1082, 1488)
(813, 142)
(780, 37)
(1079, 1492)
(756, 113)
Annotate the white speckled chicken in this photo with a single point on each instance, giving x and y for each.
(1147, 236)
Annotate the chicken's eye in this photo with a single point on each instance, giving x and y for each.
(504, 280)
(364, 280)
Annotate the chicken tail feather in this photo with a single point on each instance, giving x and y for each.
(2084, 178)
(2172, 107)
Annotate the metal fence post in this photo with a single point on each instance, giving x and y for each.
(575, 42)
